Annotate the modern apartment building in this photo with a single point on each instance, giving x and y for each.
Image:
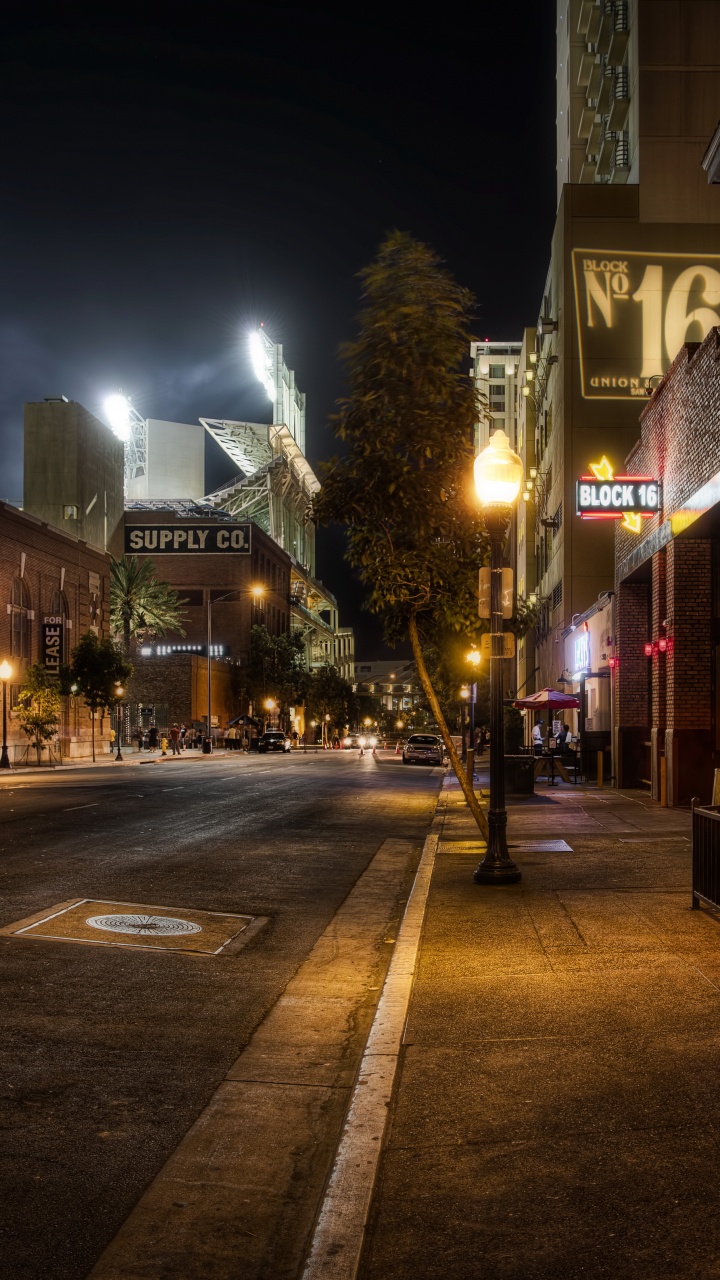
(495, 367)
(634, 274)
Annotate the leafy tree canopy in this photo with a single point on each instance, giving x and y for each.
(277, 667)
(403, 487)
(329, 694)
(97, 668)
(38, 705)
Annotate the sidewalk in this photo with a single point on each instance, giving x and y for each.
(556, 1113)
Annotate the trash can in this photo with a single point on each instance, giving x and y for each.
(207, 746)
(520, 775)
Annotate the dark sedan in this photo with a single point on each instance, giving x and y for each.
(273, 740)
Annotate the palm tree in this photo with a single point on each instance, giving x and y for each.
(140, 606)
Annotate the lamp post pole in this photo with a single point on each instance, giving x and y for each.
(5, 673)
(498, 476)
(119, 726)
(497, 867)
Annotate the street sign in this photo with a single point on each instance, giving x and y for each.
(508, 639)
(484, 593)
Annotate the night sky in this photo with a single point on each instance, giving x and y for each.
(168, 185)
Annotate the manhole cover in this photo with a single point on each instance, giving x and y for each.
(150, 925)
(141, 925)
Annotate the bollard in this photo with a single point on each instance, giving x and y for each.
(471, 765)
(663, 781)
(600, 769)
(716, 789)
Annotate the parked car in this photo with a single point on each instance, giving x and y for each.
(273, 740)
(351, 742)
(423, 748)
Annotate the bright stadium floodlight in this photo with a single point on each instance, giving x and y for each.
(263, 362)
(117, 412)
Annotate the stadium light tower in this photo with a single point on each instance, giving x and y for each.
(127, 424)
(262, 354)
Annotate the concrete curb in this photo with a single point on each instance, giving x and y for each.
(340, 1229)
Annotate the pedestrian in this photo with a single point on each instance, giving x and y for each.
(153, 737)
(230, 738)
(140, 739)
(537, 737)
(183, 735)
(175, 740)
(564, 739)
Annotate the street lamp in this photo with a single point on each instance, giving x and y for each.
(119, 691)
(5, 674)
(464, 695)
(498, 477)
(256, 592)
(269, 705)
(473, 659)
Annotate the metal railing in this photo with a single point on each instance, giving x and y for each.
(705, 855)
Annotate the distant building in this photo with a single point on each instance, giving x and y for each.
(175, 462)
(394, 683)
(495, 366)
(73, 472)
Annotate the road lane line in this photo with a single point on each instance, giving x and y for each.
(340, 1230)
(72, 808)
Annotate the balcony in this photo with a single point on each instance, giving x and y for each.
(606, 156)
(587, 61)
(607, 24)
(584, 19)
(595, 137)
(605, 95)
(596, 76)
(587, 120)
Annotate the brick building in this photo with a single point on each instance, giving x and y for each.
(205, 555)
(49, 577)
(667, 579)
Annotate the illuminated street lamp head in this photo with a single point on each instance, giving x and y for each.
(367, 720)
(465, 691)
(5, 670)
(119, 691)
(473, 657)
(269, 704)
(262, 355)
(257, 591)
(498, 472)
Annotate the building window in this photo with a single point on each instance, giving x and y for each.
(19, 620)
(557, 521)
(497, 371)
(557, 595)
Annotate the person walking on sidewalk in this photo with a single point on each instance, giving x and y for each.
(153, 737)
(175, 740)
(537, 737)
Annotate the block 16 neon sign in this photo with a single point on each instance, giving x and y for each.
(604, 496)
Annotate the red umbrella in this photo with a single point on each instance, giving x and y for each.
(547, 700)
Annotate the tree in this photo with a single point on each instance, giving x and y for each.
(416, 536)
(329, 695)
(97, 669)
(38, 706)
(140, 605)
(277, 668)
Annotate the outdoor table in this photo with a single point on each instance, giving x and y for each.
(551, 760)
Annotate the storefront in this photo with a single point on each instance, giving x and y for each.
(667, 578)
(589, 653)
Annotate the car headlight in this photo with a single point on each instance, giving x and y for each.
(373, 742)
(347, 742)
(361, 742)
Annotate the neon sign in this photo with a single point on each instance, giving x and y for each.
(605, 496)
(634, 312)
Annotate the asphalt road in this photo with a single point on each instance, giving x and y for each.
(109, 1054)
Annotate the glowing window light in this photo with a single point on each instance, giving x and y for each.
(117, 412)
(261, 354)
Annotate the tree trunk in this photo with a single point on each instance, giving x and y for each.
(92, 732)
(460, 773)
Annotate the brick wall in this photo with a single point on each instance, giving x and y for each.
(52, 556)
(175, 685)
(689, 655)
(632, 701)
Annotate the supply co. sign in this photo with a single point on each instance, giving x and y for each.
(187, 539)
(635, 311)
